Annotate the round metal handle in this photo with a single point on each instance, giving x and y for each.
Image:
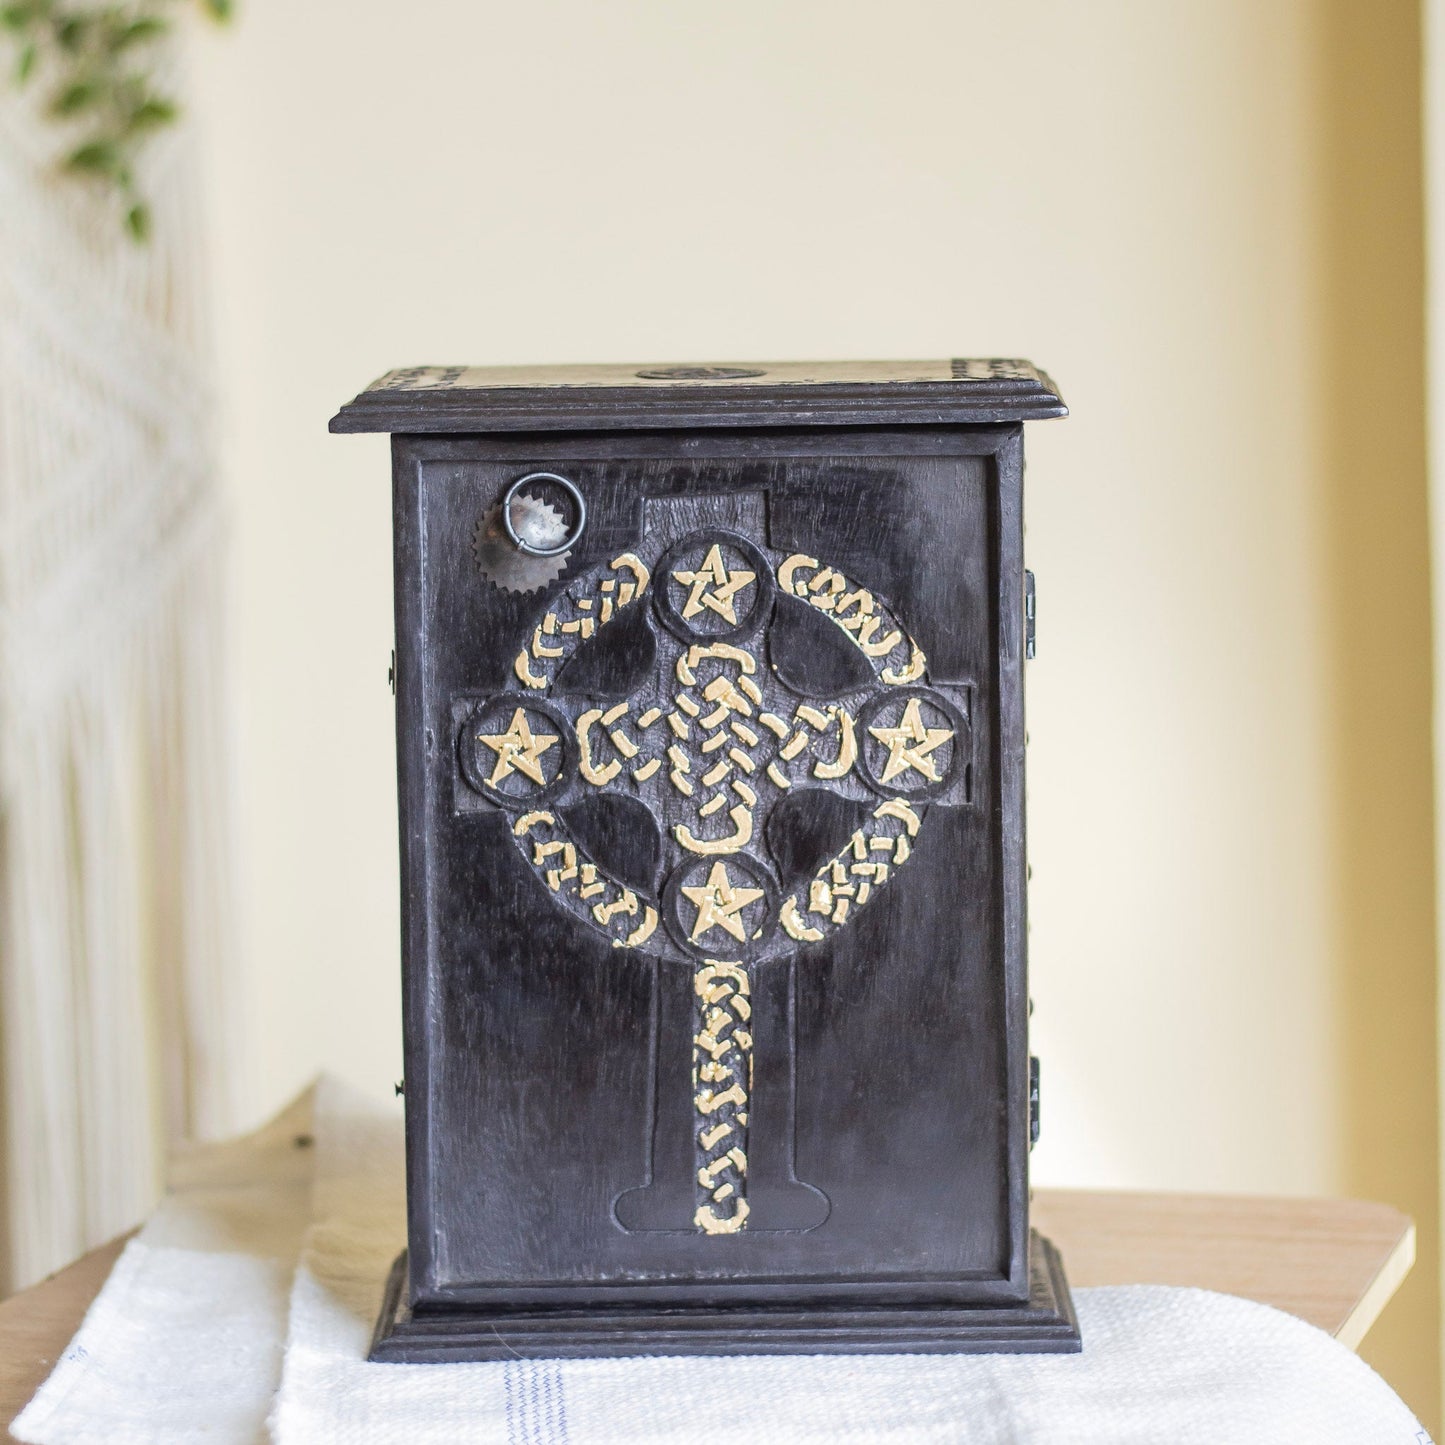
(570, 540)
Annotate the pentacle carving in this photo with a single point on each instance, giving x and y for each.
(712, 585)
(516, 751)
(700, 373)
(711, 744)
(907, 742)
(717, 905)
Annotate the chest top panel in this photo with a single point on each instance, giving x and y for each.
(956, 391)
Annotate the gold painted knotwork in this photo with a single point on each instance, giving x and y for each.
(629, 921)
(911, 671)
(688, 663)
(809, 726)
(723, 742)
(598, 774)
(795, 925)
(877, 634)
(722, 1080)
(642, 932)
(570, 619)
(841, 765)
(849, 879)
(734, 842)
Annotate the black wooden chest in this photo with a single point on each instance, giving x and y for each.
(710, 738)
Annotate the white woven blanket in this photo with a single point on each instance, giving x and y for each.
(243, 1310)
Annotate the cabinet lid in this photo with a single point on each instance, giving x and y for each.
(745, 393)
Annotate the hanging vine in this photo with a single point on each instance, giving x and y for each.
(96, 65)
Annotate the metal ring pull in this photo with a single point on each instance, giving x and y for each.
(570, 540)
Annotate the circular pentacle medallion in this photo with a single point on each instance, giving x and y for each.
(712, 585)
(516, 750)
(720, 907)
(911, 741)
(700, 373)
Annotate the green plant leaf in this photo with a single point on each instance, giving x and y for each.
(147, 27)
(98, 58)
(76, 97)
(71, 31)
(97, 157)
(150, 113)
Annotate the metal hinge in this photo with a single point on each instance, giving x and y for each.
(1033, 1100)
(391, 672)
(1030, 613)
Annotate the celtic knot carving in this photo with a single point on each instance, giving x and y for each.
(722, 1083)
(712, 742)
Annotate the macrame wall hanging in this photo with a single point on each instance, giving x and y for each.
(115, 885)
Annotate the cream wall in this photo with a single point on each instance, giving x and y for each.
(1152, 201)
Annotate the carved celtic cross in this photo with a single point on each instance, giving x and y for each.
(717, 750)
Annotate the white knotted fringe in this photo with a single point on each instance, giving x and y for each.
(115, 830)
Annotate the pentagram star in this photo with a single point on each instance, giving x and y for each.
(910, 743)
(518, 749)
(719, 904)
(713, 586)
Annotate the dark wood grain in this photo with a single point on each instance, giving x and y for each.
(828, 625)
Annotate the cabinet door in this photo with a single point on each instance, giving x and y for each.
(714, 929)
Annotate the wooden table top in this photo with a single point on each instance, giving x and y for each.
(1332, 1262)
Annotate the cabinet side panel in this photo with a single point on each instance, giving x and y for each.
(413, 811)
(1013, 871)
